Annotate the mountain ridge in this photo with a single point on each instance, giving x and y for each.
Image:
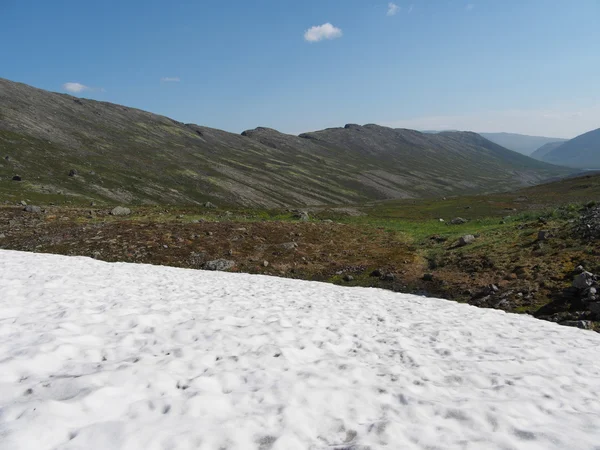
(127, 155)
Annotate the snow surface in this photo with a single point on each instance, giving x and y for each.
(121, 356)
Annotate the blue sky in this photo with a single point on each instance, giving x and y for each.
(529, 66)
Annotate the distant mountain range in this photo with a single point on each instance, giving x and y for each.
(582, 152)
(63, 147)
(521, 143)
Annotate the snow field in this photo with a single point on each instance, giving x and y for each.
(121, 356)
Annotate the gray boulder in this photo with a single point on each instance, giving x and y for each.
(583, 281)
(219, 264)
(32, 209)
(210, 205)
(120, 211)
(466, 240)
(458, 221)
(73, 172)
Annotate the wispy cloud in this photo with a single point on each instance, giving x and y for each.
(75, 88)
(325, 31)
(392, 9)
(170, 79)
(410, 8)
(469, 6)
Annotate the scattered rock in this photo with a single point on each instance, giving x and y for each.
(348, 277)
(73, 172)
(388, 277)
(583, 324)
(466, 240)
(376, 273)
(428, 277)
(543, 235)
(209, 205)
(2, 235)
(265, 263)
(23, 203)
(120, 211)
(327, 221)
(458, 221)
(441, 220)
(32, 209)
(289, 245)
(219, 264)
(16, 178)
(302, 216)
(583, 281)
(197, 259)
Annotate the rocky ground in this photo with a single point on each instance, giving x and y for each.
(527, 263)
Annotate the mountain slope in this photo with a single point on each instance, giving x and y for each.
(122, 154)
(541, 152)
(521, 143)
(582, 152)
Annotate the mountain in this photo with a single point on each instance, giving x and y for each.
(541, 152)
(119, 154)
(521, 143)
(582, 152)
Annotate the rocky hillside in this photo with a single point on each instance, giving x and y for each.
(56, 148)
(582, 152)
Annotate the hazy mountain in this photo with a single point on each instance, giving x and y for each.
(122, 154)
(521, 143)
(541, 152)
(582, 152)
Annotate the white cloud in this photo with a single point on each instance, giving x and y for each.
(392, 9)
(170, 79)
(566, 122)
(75, 87)
(469, 6)
(325, 31)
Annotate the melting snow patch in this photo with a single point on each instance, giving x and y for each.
(121, 356)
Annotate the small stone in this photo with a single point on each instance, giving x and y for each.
(375, 273)
(23, 203)
(16, 178)
(543, 235)
(289, 245)
(441, 220)
(120, 211)
(466, 240)
(33, 209)
(388, 277)
(219, 264)
(2, 235)
(265, 263)
(458, 221)
(73, 172)
(209, 233)
(428, 277)
(348, 277)
(209, 205)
